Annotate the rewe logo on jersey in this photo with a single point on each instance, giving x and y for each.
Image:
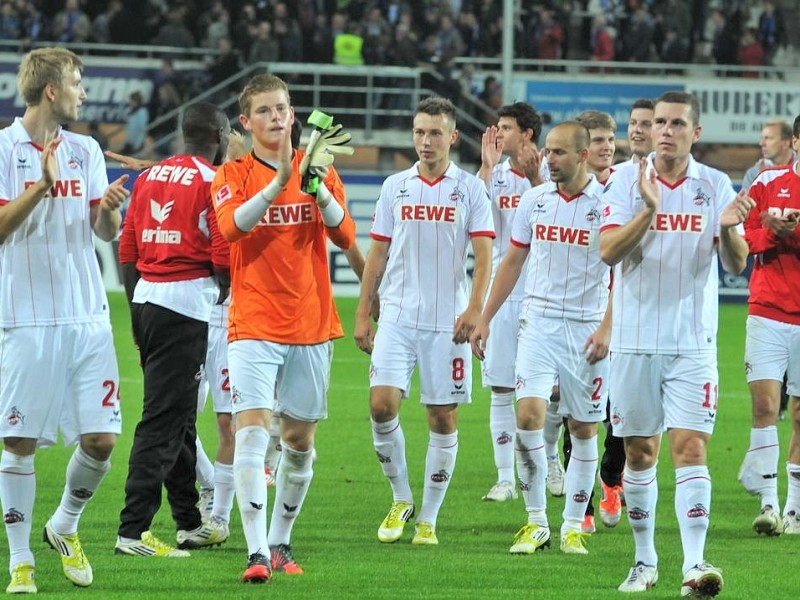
(681, 222)
(64, 188)
(561, 235)
(505, 202)
(160, 213)
(428, 212)
(288, 214)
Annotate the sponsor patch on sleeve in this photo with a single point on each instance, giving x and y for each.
(223, 194)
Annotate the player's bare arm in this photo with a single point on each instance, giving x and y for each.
(491, 152)
(105, 216)
(733, 248)
(617, 243)
(596, 346)
(505, 279)
(130, 162)
(13, 214)
(481, 273)
(357, 262)
(374, 268)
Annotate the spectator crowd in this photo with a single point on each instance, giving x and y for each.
(414, 32)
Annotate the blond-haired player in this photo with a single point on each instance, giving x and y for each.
(282, 316)
(56, 348)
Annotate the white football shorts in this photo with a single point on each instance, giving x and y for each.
(445, 368)
(300, 374)
(215, 375)
(772, 349)
(550, 353)
(59, 377)
(497, 368)
(651, 393)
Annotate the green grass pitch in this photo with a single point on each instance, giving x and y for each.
(335, 537)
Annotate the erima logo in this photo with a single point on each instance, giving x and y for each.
(257, 506)
(22, 163)
(160, 213)
(784, 193)
(289, 509)
(382, 458)
(161, 236)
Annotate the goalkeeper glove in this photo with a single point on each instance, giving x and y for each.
(326, 140)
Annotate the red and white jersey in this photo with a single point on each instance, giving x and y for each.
(565, 278)
(665, 289)
(48, 269)
(429, 224)
(775, 281)
(171, 234)
(505, 191)
(171, 230)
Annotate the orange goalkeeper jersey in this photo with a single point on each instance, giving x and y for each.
(280, 283)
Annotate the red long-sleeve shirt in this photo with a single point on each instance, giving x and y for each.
(170, 229)
(775, 281)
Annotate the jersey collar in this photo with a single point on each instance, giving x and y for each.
(19, 135)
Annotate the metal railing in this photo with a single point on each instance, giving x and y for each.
(366, 99)
(111, 50)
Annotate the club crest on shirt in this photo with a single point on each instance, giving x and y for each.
(593, 215)
(73, 162)
(701, 198)
(456, 195)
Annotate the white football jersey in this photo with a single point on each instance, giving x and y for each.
(507, 187)
(665, 290)
(48, 269)
(565, 278)
(429, 225)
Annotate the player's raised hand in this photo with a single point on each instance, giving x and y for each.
(530, 161)
(115, 194)
(49, 162)
(737, 210)
(491, 148)
(363, 333)
(477, 339)
(129, 162)
(237, 146)
(648, 187)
